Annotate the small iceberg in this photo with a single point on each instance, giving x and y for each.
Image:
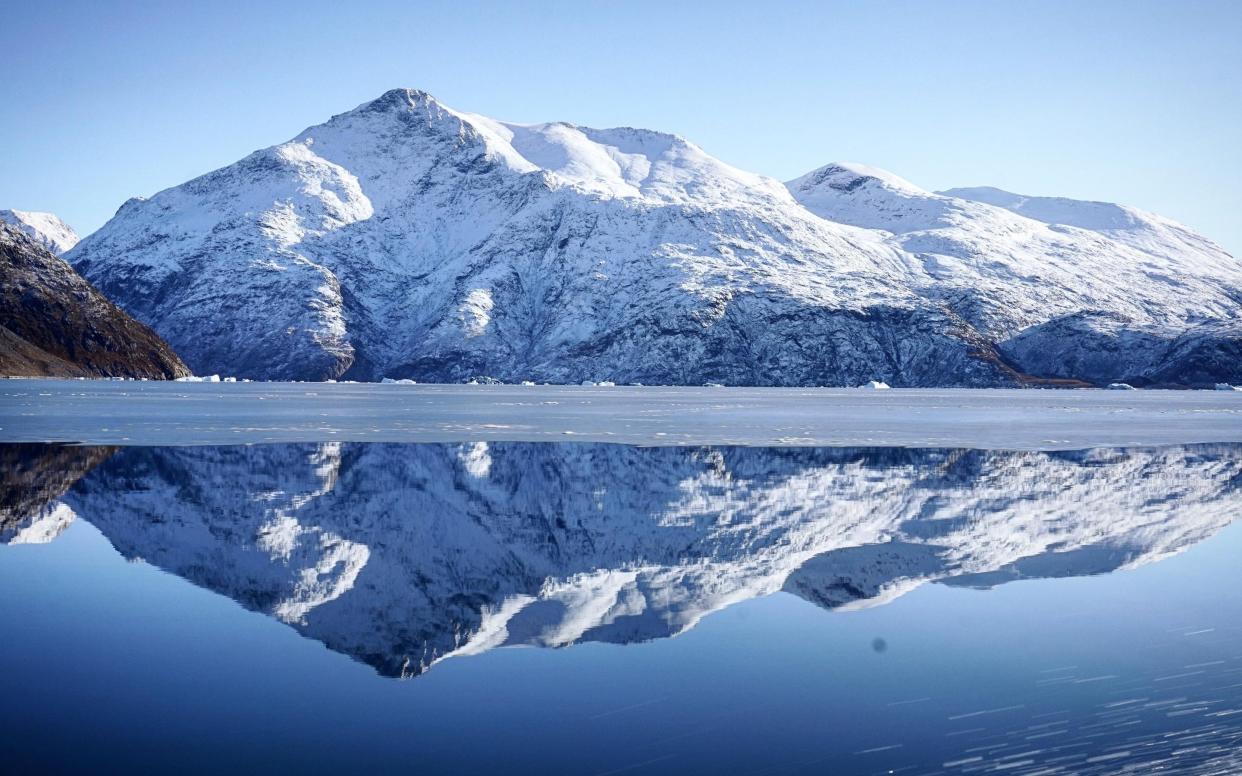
(876, 385)
(197, 379)
(1121, 387)
(1228, 387)
(402, 381)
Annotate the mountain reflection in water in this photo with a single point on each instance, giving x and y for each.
(403, 555)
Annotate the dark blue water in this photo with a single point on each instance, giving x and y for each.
(594, 609)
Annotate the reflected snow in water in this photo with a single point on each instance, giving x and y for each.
(835, 610)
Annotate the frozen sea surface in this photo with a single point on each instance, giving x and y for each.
(135, 413)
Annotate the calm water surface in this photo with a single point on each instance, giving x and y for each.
(606, 609)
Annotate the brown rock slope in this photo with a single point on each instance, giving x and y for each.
(53, 323)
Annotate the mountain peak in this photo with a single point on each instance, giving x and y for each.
(868, 197)
(612, 163)
(848, 177)
(399, 98)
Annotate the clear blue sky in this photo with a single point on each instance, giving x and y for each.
(1130, 101)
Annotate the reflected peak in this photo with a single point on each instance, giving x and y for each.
(403, 555)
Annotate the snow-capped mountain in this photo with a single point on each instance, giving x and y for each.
(407, 239)
(403, 555)
(46, 228)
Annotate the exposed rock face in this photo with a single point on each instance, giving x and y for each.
(406, 239)
(402, 555)
(54, 323)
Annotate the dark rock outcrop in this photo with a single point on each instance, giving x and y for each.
(53, 323)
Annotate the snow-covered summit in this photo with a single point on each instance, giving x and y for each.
(621, 162)
(46, 228)
(850, 176)
(868, 197)
(406, 239)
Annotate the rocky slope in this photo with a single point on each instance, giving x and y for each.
(407, 239)
(54, 323)
(402, 555)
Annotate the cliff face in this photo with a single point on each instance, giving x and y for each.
(53, 323)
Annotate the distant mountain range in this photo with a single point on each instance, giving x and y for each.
(404, 555)
(54, 323)
(407, 239)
